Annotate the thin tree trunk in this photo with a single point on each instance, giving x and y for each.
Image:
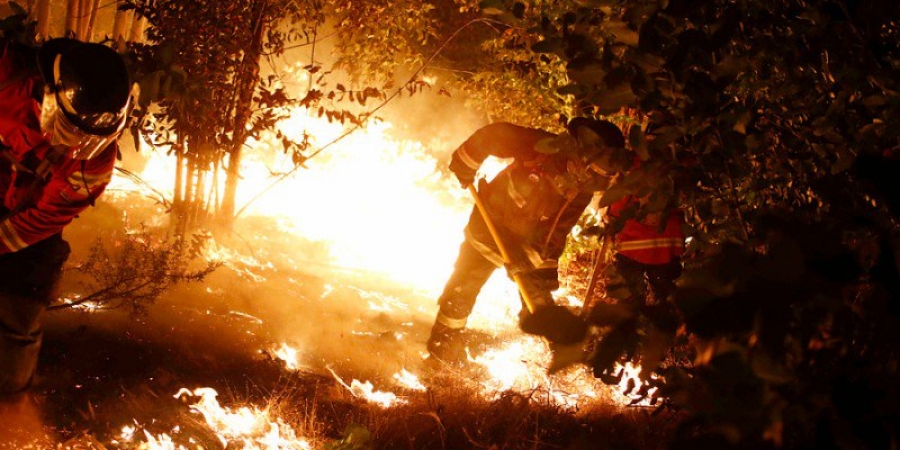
(137, 29)
(91, 20)
(84, 11)
(42, 17)
(72, 11)
(246, 85)
(119, 26)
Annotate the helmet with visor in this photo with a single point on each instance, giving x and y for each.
(86, 95)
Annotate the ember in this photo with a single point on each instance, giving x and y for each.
(366, 391)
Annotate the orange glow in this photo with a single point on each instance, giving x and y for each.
(388, 207)
(366, 391)
(245, 427)
(287, 354)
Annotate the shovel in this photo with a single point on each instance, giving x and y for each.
(563, 355)
(504, 252)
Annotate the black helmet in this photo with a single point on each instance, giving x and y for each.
(609, 133)
(603, 147)
(89, 90)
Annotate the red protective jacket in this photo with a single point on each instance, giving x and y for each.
(642, 240)
(41, 209)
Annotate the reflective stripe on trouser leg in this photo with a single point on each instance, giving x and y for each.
(450, 322)
(20, 341)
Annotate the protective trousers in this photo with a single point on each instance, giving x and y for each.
(29, 280)
(471, 272)
(641, 284)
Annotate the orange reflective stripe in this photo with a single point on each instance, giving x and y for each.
(646, 244)
(10, 237)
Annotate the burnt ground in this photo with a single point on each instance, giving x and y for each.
(101, 371)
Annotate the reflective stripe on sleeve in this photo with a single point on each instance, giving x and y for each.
(645, 244)
(10, 237)
(464, 157)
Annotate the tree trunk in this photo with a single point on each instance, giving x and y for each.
(41, 14)
(246, 85)
(84, 12)
(72, 11)
(137, 29)
(91, 19)
(119, 26)
(177, 212)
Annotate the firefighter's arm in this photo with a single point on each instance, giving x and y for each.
(63, 198)
(501, 140)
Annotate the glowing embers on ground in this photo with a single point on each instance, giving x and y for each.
(246, 427)
(366, 391)
(287, 354)
(520, 365)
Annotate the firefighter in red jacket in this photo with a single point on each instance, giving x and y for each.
(534, 203)
(62, 107)
(647, 252)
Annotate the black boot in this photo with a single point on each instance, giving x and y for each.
(447, 344)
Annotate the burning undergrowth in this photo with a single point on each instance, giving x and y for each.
(311, 332)
(284, 354)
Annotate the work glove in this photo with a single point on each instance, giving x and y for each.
(464, 173)
(556, 323)
(516, 268)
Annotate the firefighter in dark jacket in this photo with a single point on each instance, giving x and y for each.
(62, 107)
(534, 203)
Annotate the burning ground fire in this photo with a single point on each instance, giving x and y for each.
(398, 204)
(245, 427)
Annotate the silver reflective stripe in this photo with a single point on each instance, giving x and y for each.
(78, 179)
(464, 157)
(10, 238)
(513, 193)
(450, 322)
(484, 249)
(645, 244)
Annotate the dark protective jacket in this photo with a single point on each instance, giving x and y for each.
(35, 211)
(535, 201)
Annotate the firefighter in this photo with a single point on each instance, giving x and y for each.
(534, 203)
(647, 232)
(647, 252)
(62, 107)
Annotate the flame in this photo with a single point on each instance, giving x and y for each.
(631, 374)
(287, 354)
(370, 196)
(366, 391)
(520, 365)
(246, 427)
(386, 206)
(409, 381)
